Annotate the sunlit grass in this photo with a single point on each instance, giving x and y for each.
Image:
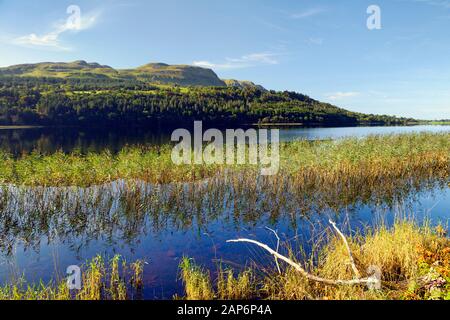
(414, 262)
(367, 159)
(100, 281)
(199, 285)
(196, 281)
(332, 174)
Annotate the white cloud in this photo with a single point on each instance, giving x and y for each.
(245, 61)
(307, 13)
(52, 38)
(342, 95)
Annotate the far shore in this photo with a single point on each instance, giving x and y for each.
(21, 127)
(294, 124)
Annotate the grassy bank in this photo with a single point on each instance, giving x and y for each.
(111, 280)
(368, 160)
(414, 263)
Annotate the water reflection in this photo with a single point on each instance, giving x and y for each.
(43, 230)
(123, 212)
(49, 140)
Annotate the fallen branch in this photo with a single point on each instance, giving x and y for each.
(352, 261)
(278, 248)
(369, 280)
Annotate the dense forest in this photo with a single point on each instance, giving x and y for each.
(99, 101)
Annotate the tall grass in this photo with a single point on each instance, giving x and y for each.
(369, 158)
(314, 177)
(414, 262)
(199, 285)
(100, 281)
(197, 282)
(145, 189)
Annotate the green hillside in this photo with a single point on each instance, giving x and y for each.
(90, 94)
(182, 75)
(158, 73)
(60, 70)
(242, 84)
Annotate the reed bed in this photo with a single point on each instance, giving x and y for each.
(110, 280)
(120, 196)
(414, 262)
(316, 177)
(122, 211)
(199, 285)
(370, 158)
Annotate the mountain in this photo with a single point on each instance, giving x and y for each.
(60, 70)
(158, 73)
(91, 94)
(182, 75)
(243, 84)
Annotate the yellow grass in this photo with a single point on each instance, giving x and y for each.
(398, 252)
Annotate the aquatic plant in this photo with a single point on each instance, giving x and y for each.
(370, 160)
(231, 287)
(100, 281)
(196, 281)
(117, 197)
(317, 177)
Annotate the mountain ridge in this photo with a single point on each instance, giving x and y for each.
(82, 93)
(155, 72)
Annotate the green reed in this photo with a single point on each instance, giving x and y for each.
(369, 158)
(100, 281)
(316, 177)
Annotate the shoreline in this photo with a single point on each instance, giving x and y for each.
(285, 125)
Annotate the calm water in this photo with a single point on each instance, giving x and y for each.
(67, 139)
(336, 133)
(40, 241)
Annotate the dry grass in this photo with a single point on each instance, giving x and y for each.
(398, 252)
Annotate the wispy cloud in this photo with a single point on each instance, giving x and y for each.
(52, 39)
(307, 13)
(342, 95)
(245, 61)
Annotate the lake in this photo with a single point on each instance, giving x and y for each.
(40, 238)
(49, 140)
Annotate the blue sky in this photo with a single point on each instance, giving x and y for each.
(320, 48)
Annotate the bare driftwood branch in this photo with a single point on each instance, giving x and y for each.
(350, 256)
(297, 267)
(278, 248)
(370, 280)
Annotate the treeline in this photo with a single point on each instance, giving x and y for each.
(98, 101)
